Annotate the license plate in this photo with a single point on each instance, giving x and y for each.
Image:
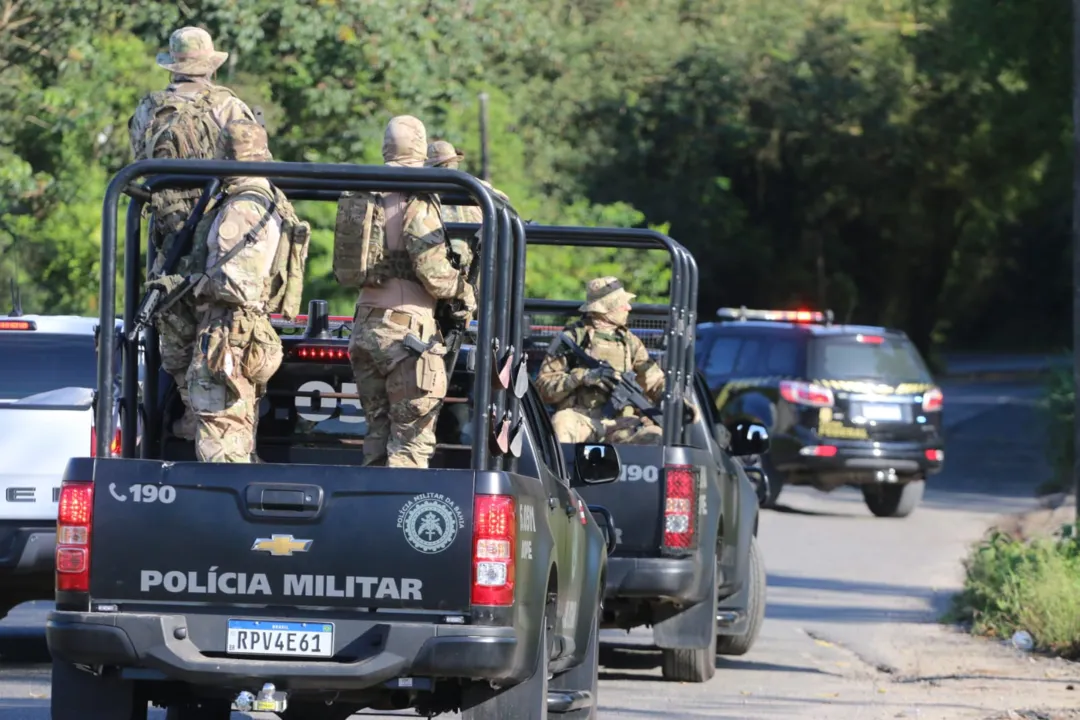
(882, 412)
(278, 637)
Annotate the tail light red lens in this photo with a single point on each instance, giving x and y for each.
(680, 508)
(933, 400)
(114, 446)
(818, 450)
(494, 545)
(320, 354)
(73, 527)
(801, 393)
(935, 455)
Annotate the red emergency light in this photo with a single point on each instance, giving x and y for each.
(18, 325)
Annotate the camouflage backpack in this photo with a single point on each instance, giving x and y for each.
(285, 285)
(359, 238)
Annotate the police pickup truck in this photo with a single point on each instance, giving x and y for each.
(305, 585)
(687, 562)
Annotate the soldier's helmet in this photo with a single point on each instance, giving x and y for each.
(243, 140)
(605, 294)
(405, 142)
(440, 152)
(191, 52)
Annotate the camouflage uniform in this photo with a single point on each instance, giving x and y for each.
(576, 392)
(191, 60)
(442, 154)
(401, 392)
(237, 350)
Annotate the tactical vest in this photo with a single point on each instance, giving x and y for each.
(361, 258)
(283, 289)
(611, 346)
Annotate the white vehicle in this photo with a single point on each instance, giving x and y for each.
(48, 378)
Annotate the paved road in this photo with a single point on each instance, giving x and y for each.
(852, 602)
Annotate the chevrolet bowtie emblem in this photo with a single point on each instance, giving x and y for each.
(280, 545)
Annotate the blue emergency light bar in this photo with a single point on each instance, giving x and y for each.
(794, 316)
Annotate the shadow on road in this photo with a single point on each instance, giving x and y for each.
(849, 586)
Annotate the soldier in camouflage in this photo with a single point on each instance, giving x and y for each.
(192, 61)
(443, 155)
(401, 390)
(578, 394)
(238, 349)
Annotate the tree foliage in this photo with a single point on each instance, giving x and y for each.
(902, 162)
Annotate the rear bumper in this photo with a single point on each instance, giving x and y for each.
(675, 579)
(867, 458)
(367, 654)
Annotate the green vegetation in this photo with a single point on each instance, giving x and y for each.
(1034, 585)
(902, 162)
(1060, 398)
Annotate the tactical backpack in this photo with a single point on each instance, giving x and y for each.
(285, 285)
(359, 238)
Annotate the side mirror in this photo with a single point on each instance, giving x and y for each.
(596, 464)
(748, 438)
(606, 522)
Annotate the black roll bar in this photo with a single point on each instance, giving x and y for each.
(326, 176)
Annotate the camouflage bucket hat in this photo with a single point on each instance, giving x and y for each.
(191, 52)
(405, 142)
(243, 140)
(604, 295)
(441, 151)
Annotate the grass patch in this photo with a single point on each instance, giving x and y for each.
(1015, 584)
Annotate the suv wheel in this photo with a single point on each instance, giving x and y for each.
(755, 608)
(585, 676)
(527, 700)
(894, 500)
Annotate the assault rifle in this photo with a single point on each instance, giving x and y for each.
(453, 326)
(180, 247)
(624, 387)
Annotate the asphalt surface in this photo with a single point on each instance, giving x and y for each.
(851, 629)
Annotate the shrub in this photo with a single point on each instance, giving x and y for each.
(1033, 585)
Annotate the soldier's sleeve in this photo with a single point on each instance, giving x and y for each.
(649, 374)
(231, 109)
(137, 129)
(555, 380)
(425, 240)
(241, 279)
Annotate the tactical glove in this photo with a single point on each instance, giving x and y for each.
(595, 377)
(463, 252)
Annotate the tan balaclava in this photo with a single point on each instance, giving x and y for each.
(405, 142)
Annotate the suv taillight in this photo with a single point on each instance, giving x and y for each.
(802, 393)
(933, 400)
(73, 525)
(494, 544)
(114, 448)
(680, 509)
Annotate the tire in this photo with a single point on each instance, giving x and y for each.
(77, 695)
(894, 500)
(755, 608)
(695, 665)
(200, 710)
(776, 482)
(585, 676)
(525, 701)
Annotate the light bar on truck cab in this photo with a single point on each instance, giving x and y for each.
(795, 316)
(18, 325)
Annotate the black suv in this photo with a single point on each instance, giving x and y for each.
(844, 404)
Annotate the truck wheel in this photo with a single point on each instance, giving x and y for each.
(696, 665)
(755, 608)
(525, 701)
(776, 482)
(894, 500)
(200, 710)
(77, 695)
(585, 676)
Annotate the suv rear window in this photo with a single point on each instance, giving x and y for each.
(33, 362)
(845, 357)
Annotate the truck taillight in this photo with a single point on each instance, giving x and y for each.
(114, 447)
(73, 524)
(933, 400)
(494, 544)
(802, 393)
(680, 508)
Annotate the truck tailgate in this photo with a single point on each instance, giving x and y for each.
(280, 535)
(636, 501)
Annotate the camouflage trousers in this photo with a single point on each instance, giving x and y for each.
(225, 382)
(574, 425)
(401, 392)
(176, 341)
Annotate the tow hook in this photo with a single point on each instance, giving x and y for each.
(268, 700)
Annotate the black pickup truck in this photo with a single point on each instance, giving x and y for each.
(302, 584)
(687, 562)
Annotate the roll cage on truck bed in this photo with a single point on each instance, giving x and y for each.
(473, 587)
(687, 561)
